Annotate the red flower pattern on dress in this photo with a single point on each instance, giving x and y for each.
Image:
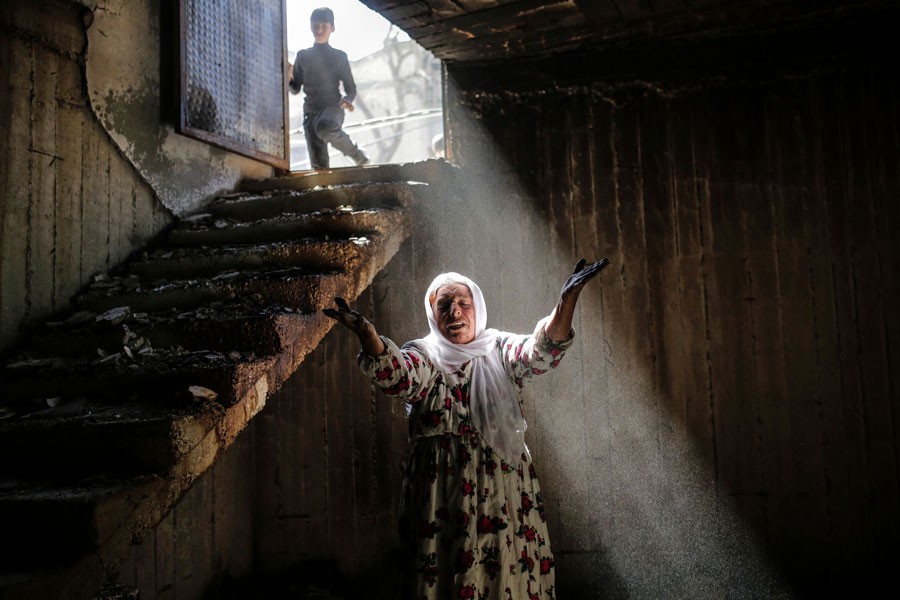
(464, 560)
(464, 457)
(468, 487)
(400, 386)
(432, 419)
(429, 568)
(467, 592)
(527, 532)
(485, 525)
(488, 524)
(547, 563)
(460, 394)
(429, 530)
(526, 503)
(526, 562)
(491, 560)
(462, 524)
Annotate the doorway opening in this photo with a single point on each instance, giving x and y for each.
(398, 114)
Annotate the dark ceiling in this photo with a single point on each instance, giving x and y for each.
(490, 30)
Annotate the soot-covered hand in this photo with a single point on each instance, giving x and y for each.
(580, 276)
(348, 317)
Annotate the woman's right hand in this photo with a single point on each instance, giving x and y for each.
(358, 324)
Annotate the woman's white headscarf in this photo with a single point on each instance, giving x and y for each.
(493, 399)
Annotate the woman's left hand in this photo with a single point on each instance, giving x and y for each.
(560, 323)
(580, 276)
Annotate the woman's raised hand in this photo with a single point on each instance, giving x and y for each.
(347, 317)
(560, 323)
(580, 276)
(358, 324)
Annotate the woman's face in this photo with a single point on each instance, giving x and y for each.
(454, 312)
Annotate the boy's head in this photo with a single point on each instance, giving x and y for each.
(321, 23)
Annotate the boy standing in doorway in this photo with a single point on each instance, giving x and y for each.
(320, 70)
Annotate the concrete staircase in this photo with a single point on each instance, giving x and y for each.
(108, 414)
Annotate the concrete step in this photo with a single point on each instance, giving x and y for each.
(72, 518)
(320, 254)
(294, 287)
(248, 206)
(242, 325)
(160, 377)
(208, 230)
(84, 438)
(429, 171)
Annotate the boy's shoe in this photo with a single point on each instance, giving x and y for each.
(360, 158)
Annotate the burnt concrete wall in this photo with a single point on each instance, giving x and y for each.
(132, 71)
(306, 499)
(206, 540)
(328, 472)
(70, 204)
(727, 424)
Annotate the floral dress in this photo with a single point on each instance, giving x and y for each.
(474, 524)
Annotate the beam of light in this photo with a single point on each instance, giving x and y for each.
(634, 509)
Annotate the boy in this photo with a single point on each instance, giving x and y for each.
(319, 70)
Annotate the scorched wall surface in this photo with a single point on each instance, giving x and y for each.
(728, 423)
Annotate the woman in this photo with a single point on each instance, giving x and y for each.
(472, 512)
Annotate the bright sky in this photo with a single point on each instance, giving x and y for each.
(358, 31)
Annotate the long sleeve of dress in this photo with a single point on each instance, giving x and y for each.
(404, 373)
(527, 355)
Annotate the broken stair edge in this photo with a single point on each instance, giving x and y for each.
(321, 254)
(240, 327)
(244, 206)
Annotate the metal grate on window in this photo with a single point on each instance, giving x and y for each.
(232, 76)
